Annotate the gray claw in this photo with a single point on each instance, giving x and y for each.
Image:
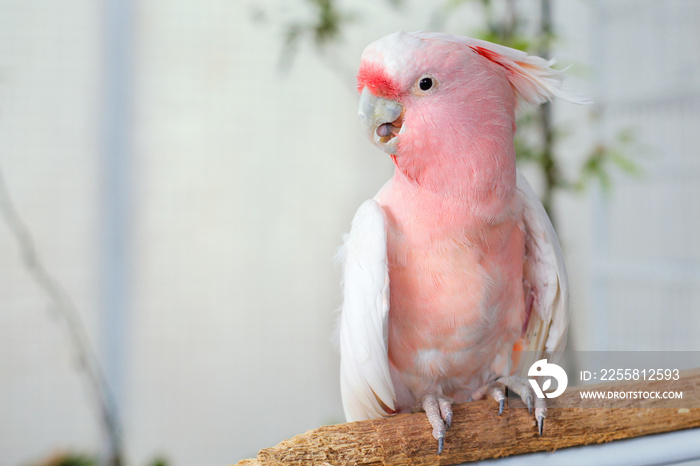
(528, 402)
(501, 406)
(540, 424)
(439, 413)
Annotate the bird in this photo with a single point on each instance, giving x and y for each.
(453, 277)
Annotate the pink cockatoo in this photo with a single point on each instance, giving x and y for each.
(454, 281)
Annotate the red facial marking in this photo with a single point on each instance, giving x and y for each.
(375, 79)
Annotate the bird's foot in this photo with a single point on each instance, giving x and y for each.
(521, 386)
(497, 390)
(439, 412)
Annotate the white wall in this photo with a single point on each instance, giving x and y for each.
(646, 260)
(49, 67)
(244, 179)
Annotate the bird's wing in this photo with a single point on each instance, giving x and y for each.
(547, 287)
(365, 381)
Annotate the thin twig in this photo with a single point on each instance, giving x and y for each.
(75, 328)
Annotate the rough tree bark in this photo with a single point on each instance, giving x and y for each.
(478, 433)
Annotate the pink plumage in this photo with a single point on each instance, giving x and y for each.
(454, 266)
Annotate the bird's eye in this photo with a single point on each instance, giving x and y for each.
(425, 84)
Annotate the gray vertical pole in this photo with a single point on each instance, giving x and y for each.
(116, 204)
(549, 162)
(598, 309)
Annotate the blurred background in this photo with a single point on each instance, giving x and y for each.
(177, 177)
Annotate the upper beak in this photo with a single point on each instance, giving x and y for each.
(381, 119)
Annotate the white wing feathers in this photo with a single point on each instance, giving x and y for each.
(545, 271)
(365, 380)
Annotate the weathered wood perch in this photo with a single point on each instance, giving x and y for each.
(478, 433)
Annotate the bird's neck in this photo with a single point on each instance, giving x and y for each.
(474, 171)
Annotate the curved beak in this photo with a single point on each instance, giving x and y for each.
(381, 119)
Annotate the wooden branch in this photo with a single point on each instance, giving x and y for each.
(478, 433)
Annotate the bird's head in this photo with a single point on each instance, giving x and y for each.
(426, 95)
